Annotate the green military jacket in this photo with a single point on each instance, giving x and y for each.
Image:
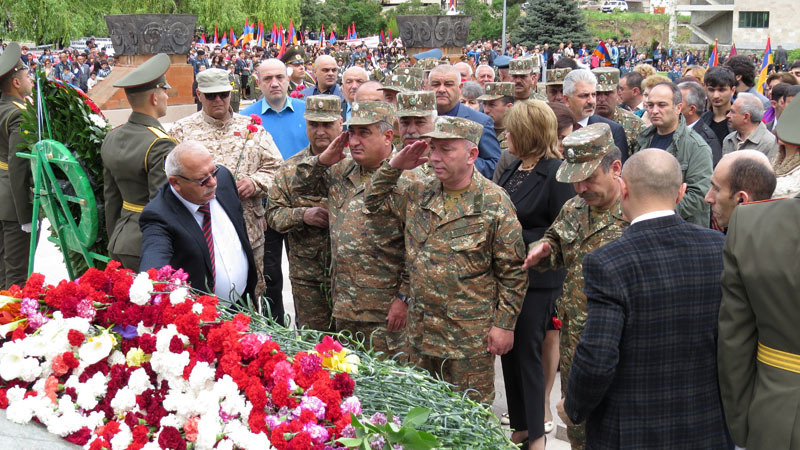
(465, 262)
(368, 264)
(758, 320)
(309, 247)
(694, 155)
(577, 231)
(16, 178)
(633, 126)
(133, 170)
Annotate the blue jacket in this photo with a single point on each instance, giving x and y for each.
(488, 147)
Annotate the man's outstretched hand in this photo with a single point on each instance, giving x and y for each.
(537, 254)
(410, 156)
(335, 151)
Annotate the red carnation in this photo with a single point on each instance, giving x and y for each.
(34, 286)
(300, 441)
(3, 399)
(75, 337)
(171, 438)
(255, 118)
(70, 360)
(252, 128)
(556, 323)
(99, 444)
(80, 437)
(176, 345)
(241, 322)
(147, 342)
(344, 384)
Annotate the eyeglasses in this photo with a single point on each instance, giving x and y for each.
(214, 95)
(205, 180)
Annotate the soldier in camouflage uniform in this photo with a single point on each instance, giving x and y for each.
(305, 219)
(381, 72)
(216, 126)
(370, 286)
(554, 87)
(586, 222)
(465, 245)
(416, 114)
(525, 76)
(497, 99)
(607, 106)
(395, 84)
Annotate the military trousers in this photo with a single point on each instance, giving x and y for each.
(312, 308)
(475, 375)
(393, 344)
(571, 328)
(16, 246)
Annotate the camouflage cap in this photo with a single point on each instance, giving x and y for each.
(323, 108)
(556, 76)
(401, 83)
(427, 63)
(607, 78)
(583, 151)
(449, 127)
(444, 60)
(213, 80)
(368, 112)
(416, 104)
(495, 90)
(520, 66)
(413, 71)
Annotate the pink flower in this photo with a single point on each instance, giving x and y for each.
(190, 429)
(252, 343)
(351, 405)
(319, 434)
(86, 309)
(328, 344)
(283, 372)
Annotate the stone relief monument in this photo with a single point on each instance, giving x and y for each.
(434, 31)
(147, 34)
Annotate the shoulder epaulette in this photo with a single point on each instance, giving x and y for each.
(160, 133)
(764, 201)
(19, 105)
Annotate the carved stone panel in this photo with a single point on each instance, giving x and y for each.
(434, 31)
(146, 34)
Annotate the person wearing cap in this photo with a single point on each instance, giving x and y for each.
(416, 114)
(554, 86)
(525, 76)
(649, 344)
(216, 127)
(295, 59)
(236, 85)
(325, 72)
(502, 64)
(371, 291)
(397, 83)
(496, 100)
(586, 222)
(607, 106)
(669, 132)
(16, 210)
(381, 72)
(133, 158)
(787, 161)
(465, 246)
(445, 82)
(758, 351)
(304, 219)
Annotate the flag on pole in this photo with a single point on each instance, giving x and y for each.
(382, 37)
(283, 47)
(322, 35)
(733, 51)
(233, 38)
(390, 35)
(355, 35)
(452, 5)
(281, 39)
(766, 61)
(601, 51)
(332, 37)
(224, 40)
(292, 34)
(215, 34)
(203, 38)
(713, 60)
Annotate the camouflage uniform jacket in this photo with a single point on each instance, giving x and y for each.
(574, 233)
(367, 262)
(259, 163)
(466, 262)
(309, 247)
(536, 95)
(501, 138)
(632, 124)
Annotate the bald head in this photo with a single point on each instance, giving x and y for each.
(183, 156)
(653, 176)
(369, 91)
(352, 79)
(749, 171)
(325, 71)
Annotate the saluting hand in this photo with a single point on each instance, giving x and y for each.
(410, 156)
(536, 254)
(335, 151)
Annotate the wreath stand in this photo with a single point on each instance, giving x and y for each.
(70, 236)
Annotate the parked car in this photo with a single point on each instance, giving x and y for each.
(614, 5)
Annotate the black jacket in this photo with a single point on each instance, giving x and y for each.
(708, 135)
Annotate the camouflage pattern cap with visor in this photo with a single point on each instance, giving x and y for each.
(607, 78)
(427, 63)
(495, 90)
(555, 77)
(412, 71)
(416, 104)
(583, 151)
(448, 127)
(401, 83)
(149, 75)
(323, 108)
(368, 112)
(520, 66)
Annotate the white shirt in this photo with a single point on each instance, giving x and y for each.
(230, 260)
(691, 125)
(585, 122)
(653, 215)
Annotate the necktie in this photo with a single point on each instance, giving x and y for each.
(577, 126)
(206, 211)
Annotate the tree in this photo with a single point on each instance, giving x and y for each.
(550, 22)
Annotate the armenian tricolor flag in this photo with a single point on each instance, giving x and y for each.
(766, 60)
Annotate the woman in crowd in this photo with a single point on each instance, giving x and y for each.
(532, 136)
(787, 166)
(470, 93)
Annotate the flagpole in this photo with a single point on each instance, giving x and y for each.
(504, 28)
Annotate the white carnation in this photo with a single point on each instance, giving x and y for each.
(225, 444)
(89, 391)
(243, 438)
(123, 438)
(139, 381)
(208, 427)
(124, 401)
(170, 365)
(178, 296)
(202, 374)
(141, 289)
(98, 120)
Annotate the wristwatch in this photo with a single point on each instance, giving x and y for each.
(404, 298)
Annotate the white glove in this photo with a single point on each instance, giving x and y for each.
(26, 227)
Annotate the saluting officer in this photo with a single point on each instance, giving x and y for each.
(133, 158)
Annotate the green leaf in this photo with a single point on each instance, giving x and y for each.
(416, 417)
(350, 442)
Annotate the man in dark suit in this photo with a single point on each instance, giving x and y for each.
(195, 222)
(644, 374)
(580, 96)
(694, 103)
(445, 82)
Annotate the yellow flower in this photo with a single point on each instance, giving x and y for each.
(136, 356)
(341, 361)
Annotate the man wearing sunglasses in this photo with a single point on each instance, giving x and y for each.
(133, 159)
(15, 173)
(252, 157)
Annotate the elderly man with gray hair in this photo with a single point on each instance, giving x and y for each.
(751, 134)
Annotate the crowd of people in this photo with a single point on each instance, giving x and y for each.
(472, 206)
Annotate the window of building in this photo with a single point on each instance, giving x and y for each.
(753, 19)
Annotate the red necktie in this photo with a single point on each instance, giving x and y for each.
(206, 211)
